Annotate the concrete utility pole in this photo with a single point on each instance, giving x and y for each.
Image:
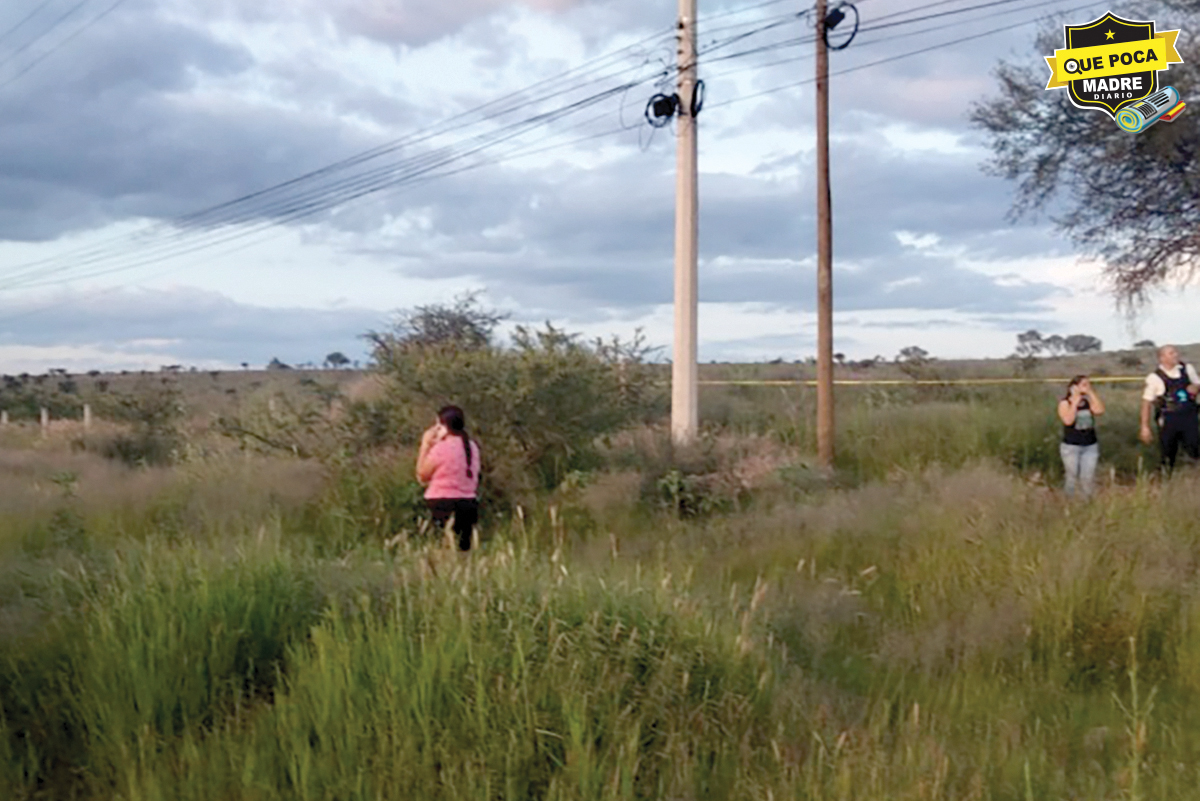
(685, 406)
(824, 254)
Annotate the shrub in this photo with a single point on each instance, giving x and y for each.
(1131, 360)
(689, 495)
(155, 413)
(916, 363)
(537, 406)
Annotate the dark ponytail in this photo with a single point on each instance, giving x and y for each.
(456, 425)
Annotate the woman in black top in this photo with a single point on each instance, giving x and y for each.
(1080, 449)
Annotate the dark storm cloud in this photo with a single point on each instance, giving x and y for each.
(121, 135)
(118, 127)
(187, 324)
(114, 128)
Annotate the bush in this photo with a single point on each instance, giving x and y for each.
(370, 499)
(154, 413)
(690, 495)
(141, 448)
(25, 402)
(1131, 360)
(538, 407)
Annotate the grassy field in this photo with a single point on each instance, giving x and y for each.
(215, 392)
(933, 622)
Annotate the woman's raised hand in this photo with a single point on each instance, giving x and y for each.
(433, 435)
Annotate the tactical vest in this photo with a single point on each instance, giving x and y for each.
(1176, 399)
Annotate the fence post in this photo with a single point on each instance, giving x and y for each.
(87, 416)
(45, 422)
(4, 418)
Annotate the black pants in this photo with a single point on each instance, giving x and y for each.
(1175, 430)
(465, 512)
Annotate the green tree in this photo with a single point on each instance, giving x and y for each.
(337, 360)
(465, 324)
(1055, 345)
(1030, 344)
(156, 413)
(1132, 201)
(1082, 343)
(914, 362)
(539, 405)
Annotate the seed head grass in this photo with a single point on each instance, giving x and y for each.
(938, 622)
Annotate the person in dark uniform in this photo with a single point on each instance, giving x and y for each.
(1171, 394)
(1080, 448)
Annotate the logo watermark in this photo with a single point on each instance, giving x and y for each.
(1113, 65)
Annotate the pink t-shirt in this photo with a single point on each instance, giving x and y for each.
(450, 479)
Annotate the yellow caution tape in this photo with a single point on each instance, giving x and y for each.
(901, 382)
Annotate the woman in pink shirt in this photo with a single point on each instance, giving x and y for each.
(448, 465)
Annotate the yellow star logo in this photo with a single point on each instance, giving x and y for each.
(1108, 34)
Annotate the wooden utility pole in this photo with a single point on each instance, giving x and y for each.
(824, 254)
(685, 405)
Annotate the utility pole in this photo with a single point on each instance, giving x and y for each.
(825, 429)
(685, 406)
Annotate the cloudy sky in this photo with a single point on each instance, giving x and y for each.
(500, 146)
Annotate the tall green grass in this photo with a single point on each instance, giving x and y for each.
(495, 683)
(161, 643)
(185, 675)
(943, 626)
(997, 615)
(882, 431)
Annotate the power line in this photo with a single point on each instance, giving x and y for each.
(206, 218)
(778, 23)
(25, 19)
(323, 197)
(458, 171)
(914, 9)
(245, 208)
(789, 43)
(765, 24)
(333, 192)
(809, 39)
(317, 200)
(744, 10)
(515, 101)
(63, 43)
(909, 54)
(69, 13)
(427, 134)
(940, 14)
